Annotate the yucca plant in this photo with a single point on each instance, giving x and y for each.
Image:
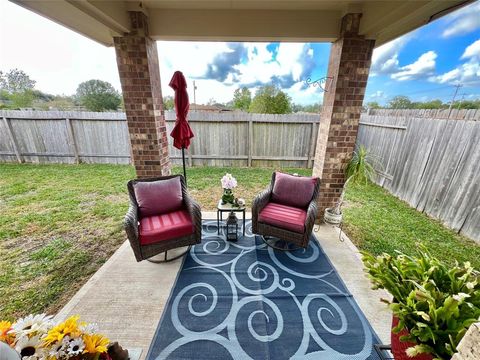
(359, 170)
(434, 302)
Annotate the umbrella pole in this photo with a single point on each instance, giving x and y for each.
(183, 159)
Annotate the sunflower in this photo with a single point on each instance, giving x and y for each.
(29, 348)
(31, 325)
(57, 333)
(95, 343)
(5, 327)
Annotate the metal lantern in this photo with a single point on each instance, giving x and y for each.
(232, 227)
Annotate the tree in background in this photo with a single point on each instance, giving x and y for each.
(17, 89)
(467, 104)
(242, 98)
(269, 99)
(400, 102)
(433, 104)
(98, 95)
(373, 105)
(168, 103)
(311, 108)
(16, 81)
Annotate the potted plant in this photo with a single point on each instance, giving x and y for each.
(228, 184)
(433, 304)
(359, 169)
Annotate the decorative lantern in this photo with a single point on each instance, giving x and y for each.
(232, 227)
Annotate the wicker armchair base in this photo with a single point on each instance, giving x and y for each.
(300, 240)
(279, 244)
(167, 259)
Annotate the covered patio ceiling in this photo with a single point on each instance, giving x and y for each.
(243, 20)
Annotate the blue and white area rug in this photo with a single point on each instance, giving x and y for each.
(245, 300)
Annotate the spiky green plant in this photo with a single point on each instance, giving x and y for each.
(435, 302)
(359, 169)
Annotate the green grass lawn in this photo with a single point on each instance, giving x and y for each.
(377, 222)
(60, 223)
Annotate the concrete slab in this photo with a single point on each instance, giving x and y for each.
(126, 299)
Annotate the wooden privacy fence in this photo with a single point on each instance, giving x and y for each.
(221, 139)
(431, 163)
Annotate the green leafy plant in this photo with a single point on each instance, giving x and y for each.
(359, 169)
(435, 303)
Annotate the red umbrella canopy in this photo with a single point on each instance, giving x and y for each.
(181, 133)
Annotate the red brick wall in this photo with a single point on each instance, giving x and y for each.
(348, 68)
(137, 61)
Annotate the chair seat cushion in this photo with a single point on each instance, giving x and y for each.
(156, 228)
(296, 191)
(283, 216)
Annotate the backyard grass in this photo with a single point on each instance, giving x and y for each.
(377, 222)
(60, 223)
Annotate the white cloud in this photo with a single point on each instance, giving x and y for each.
(56, 57)
(463, 21)
(385, 57)
(422, 67)
(60, 59)
(378, 95)
(468, 73)
(473, 50)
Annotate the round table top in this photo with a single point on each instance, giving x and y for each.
(229, 207)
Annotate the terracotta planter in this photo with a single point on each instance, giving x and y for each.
(399, 347)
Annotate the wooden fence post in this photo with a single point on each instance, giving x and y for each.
(311, 146)
(71, 137)
(16, 148)
(250, 141)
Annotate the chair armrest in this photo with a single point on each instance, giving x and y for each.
(259, 202)
(130, 224)
(196, 213)
(312, 212)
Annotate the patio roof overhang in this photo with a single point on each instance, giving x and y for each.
(243, 20)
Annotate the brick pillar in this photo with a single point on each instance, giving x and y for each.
(137, 61)
(348, 67)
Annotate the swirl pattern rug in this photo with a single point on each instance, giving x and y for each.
(245, 300)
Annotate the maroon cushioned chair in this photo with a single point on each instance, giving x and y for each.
(162, 216)
(286, 210)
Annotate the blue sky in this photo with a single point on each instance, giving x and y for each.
(424, 65)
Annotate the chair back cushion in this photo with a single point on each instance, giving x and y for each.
(296, 191)
(158, 197)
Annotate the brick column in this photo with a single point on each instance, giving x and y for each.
(137, 61)
(348, 67)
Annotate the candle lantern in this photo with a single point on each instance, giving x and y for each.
(232, 227)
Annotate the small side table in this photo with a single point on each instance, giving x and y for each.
(221, 208)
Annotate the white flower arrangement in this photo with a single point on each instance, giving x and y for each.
(228, 182)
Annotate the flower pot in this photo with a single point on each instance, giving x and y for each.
(331, 218)
(228, 197)
(399, 348)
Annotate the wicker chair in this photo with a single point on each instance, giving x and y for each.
(162, 216)
(286, 210)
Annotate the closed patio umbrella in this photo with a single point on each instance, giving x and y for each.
(181, 133)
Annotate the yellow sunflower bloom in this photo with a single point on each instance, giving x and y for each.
(68, 327)
(95, 343)
(5, 327)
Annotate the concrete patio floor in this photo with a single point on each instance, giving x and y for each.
(126, 299)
